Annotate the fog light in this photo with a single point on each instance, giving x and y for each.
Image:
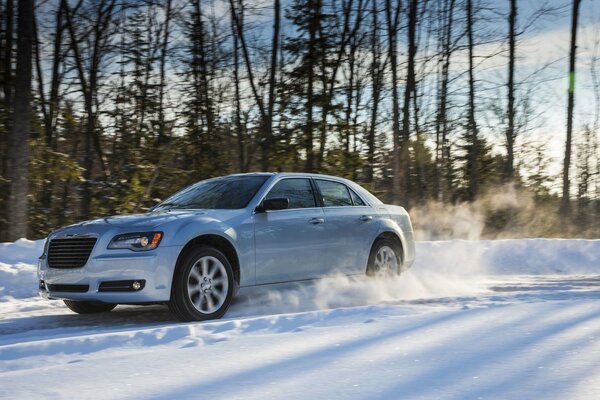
(136, 285)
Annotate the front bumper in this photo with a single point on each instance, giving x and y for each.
(155, 268)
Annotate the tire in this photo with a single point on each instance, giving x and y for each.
(385, 259)
(88, 307)
(203, 285)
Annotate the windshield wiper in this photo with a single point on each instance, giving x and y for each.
(165, 206)
(177, 206)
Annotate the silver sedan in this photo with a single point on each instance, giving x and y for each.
(196, 249)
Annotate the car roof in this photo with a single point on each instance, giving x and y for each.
(312, 174)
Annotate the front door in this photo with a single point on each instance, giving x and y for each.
(289, 243)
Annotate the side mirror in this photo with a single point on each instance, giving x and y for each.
(281, 203)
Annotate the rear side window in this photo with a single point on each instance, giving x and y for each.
(334, 194)
(355, 199)
(297, 190)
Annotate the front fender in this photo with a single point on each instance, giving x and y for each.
(203, 226)
(239, 232)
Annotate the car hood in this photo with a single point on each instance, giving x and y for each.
(151, 219)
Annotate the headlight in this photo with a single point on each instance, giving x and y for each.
(136, 241)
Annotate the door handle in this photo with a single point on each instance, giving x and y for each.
(316, 221)
(366, 218)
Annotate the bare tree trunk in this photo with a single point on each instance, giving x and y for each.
(566, 198)
(162, 83)
(315, 9)
(145, 84)
(472, 123)
(57, 59)
(586, 151)
(50, 105)
(352, 90)
(596, 81)
(40, 81)
(197, 99)
(239, 132)
(7, 70)
(510, 131)
(348, 111)
(442, 153)
(70, 132)
(265, 120)
(376, 86)
(86, 197)
(18, 154)
(329, 80)
(268, 141)
(441, 32)
(355, 124)
(45, 198)
(208, 108)
(88, 88)
(392, 19)
(409, 91)
(7, 77)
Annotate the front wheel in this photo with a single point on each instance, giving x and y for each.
(384, 259)
(88, 307)
(202, 285)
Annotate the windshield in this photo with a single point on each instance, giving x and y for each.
(230, 192)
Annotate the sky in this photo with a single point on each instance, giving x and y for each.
(545, 46)
(542, 66)
(542, 70)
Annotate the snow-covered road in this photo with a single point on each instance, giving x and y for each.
(502, 320)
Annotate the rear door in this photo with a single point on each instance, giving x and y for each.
(351, 227)
(289, 243)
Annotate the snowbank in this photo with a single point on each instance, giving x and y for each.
(510, 256)
(441, 268)
(22, 251)
(17, 268)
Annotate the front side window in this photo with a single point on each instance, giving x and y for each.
(297, 190)
(230, 192)
(334, 194)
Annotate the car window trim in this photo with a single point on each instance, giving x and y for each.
(291, 209)
(347, 192)
(348, 188)
(317, 193)
(364, 204)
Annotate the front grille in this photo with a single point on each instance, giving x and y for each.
(70, 252)
(68, 288)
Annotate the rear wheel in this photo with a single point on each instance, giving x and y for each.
(384, 259)
(88, 307)
(203, 285)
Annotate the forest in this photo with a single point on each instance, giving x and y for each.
(108, 106)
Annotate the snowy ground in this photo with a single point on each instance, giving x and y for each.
(510, 319)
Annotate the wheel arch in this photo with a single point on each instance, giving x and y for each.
(220, 243)
(395, 239)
